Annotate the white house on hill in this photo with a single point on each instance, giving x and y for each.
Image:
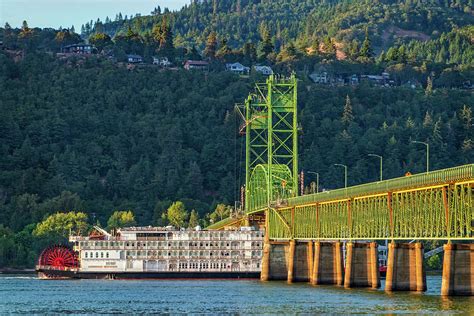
(237, 68)
(265, 70)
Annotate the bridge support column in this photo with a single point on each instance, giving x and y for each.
(310, 258)
(362, 265)
(405, 269)
(265, 273)
(291, 260)
(458, 270)
(328, 263)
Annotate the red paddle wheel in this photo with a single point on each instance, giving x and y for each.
(59, 257)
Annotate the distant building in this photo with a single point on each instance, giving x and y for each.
(354, 80)
(265, 70)
(196, 64)
(237, 68)
(381, 80)
(82, 49)
(134, 59)
(320, 77)
(161, 61)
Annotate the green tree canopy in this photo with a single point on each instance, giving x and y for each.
(60, 225)
(100, 40)
(222, 211)
(193, 219)
(121, 219)
(177, 214)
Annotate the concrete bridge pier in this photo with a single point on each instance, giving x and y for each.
(458, 270)
(300, 261)
(287, 260)
(328, 265)
(362, 265)
(405, 268)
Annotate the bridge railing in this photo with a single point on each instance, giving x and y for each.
(432, 178)
(435, 205)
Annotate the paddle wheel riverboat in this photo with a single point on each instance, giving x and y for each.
(154, 252)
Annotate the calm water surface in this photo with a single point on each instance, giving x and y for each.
(28, 295)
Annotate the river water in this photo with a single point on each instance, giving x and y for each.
(29, 295)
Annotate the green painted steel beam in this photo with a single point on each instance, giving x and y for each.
(271, 143)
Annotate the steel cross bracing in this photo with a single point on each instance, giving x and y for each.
(428, 206)
(270, 115)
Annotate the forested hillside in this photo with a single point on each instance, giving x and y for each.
(239, 21)
(92, 134)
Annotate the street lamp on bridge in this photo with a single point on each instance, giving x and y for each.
(427, 153)
(345, 173)
(317, 179)
(381, 164)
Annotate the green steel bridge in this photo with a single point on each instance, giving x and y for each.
(426, 206)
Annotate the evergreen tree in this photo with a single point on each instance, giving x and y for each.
(166, 47)
(347, 115)
(193, 219)
(211, 46)
(429, 86)
(366, 49)
(266, 46)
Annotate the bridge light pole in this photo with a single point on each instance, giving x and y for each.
(345, 173)
(317, 179)
(427, 153)
(381, 164)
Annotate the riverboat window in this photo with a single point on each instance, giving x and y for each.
(86, 254)
(97, 255)
(133, 244)
(128, 244)
(107, 255)
(102, 255)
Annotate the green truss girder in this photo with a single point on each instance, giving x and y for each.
(430, 206)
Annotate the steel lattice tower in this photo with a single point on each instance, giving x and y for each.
(271, 169)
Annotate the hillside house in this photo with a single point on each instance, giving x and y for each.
(320, 77)
(381, 80)
(81, 49)
(264, 70)
(134, 59)
(238, 68)
(161, 61)
(196, 65)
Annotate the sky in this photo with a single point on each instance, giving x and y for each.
(56, 13)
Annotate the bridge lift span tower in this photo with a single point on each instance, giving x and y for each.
(271, 131)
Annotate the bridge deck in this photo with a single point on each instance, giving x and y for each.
(434, 205)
